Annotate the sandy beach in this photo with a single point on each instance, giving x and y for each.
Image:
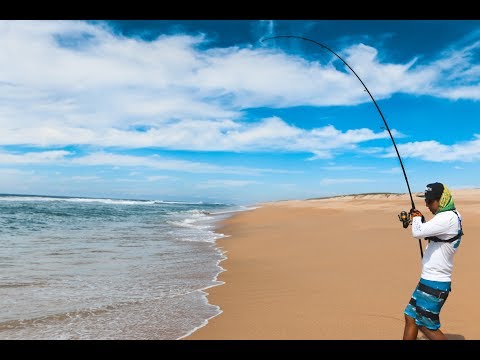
(337, 268)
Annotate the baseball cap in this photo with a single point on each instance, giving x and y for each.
(433, 191)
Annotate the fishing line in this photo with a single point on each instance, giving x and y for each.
(376, 105)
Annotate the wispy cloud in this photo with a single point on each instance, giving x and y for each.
(85, 178)
(270, 134)
(157, 162)
(465, 151)
(225, 183)
(330, 181)
(6, 172)
(265, 28)
(159, 178)
(136, 179)
(395, 170)
(18, 178)
(347, 168)
(371, 150)
(42, 157)
(127, 180)
(117, 161)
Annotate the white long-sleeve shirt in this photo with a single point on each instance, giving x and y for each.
(437, 263)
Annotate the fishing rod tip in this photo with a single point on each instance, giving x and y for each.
(264, 39)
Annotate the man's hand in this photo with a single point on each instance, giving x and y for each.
(415, 212)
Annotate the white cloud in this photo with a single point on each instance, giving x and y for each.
(270, 134)
(395, 170)
(330, 181)
(466, 151)
(159, 178)
(117, 161)
(17, 178)
(225, 183)
(371, 150)
(157, 162)
(347, 168)
(42, 157)
(85, 178)
(88, 85)
(127, 180)
(7, 172)
(320, 154)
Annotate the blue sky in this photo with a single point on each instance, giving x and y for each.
(203, 111)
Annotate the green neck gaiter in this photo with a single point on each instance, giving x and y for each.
(446, 201)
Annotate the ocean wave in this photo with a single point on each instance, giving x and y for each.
(24, 198)
(188, 223)
(235, 210)
(76, 200)
(191, 203)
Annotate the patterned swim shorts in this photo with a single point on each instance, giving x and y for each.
(427, 301)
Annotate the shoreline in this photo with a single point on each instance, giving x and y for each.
(217, 230)
(205, 293)
(293, 270)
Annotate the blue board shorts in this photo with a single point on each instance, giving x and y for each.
(427, 301)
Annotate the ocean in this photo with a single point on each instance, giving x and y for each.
(83, 268)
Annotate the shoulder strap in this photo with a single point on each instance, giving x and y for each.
(460, 233)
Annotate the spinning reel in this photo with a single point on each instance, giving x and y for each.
(404, 217)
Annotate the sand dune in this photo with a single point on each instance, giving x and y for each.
(335, 268)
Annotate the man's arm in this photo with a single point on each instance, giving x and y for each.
(436, 226)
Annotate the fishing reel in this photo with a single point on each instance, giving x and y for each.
(404, 217)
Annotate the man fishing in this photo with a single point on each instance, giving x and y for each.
(443, 233)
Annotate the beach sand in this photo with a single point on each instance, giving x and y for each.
(337, 268)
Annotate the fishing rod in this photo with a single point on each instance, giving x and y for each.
(403, 217)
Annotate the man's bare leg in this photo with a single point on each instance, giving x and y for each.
(433, 334)
(411, 329)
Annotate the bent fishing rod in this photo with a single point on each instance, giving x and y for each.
(404, 217)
